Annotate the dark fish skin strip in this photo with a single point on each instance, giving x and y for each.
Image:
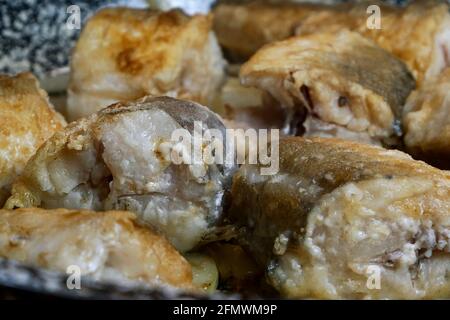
(393, 81)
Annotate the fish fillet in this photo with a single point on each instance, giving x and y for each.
(333, 85)
(339, 214)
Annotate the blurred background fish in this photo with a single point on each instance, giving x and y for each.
(38, 36)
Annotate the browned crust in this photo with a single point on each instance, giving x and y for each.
(170, 267)
(27, 119)
(142, 52)
(408, 33)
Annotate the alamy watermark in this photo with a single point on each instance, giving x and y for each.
(374, 19)
(74, 20)
(73, 281)
(213, 146)
(373, 273)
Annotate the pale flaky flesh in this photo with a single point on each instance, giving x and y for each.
(339, 212)
(418, 34)
(334, 85)
(27, 119)
(121, 158)
(107, 246)
(426, 121)
(123, 54)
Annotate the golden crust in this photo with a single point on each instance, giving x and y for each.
(27, 119)
(94, 241)
(143, 52)
(426, 121)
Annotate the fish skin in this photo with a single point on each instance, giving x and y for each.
(407, 32)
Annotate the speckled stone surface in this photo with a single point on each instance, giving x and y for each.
(34, 34)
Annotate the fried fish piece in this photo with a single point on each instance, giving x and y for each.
(418, 34)
(333, 85)
(108, 245)
(339, 213)
(426, 121)
(124, 158)
(27, 119)
(124, 54)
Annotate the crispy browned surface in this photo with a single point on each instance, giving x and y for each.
(141, 52)
(314, 173)
(426, 121)
(27, 119)
(94, 241)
